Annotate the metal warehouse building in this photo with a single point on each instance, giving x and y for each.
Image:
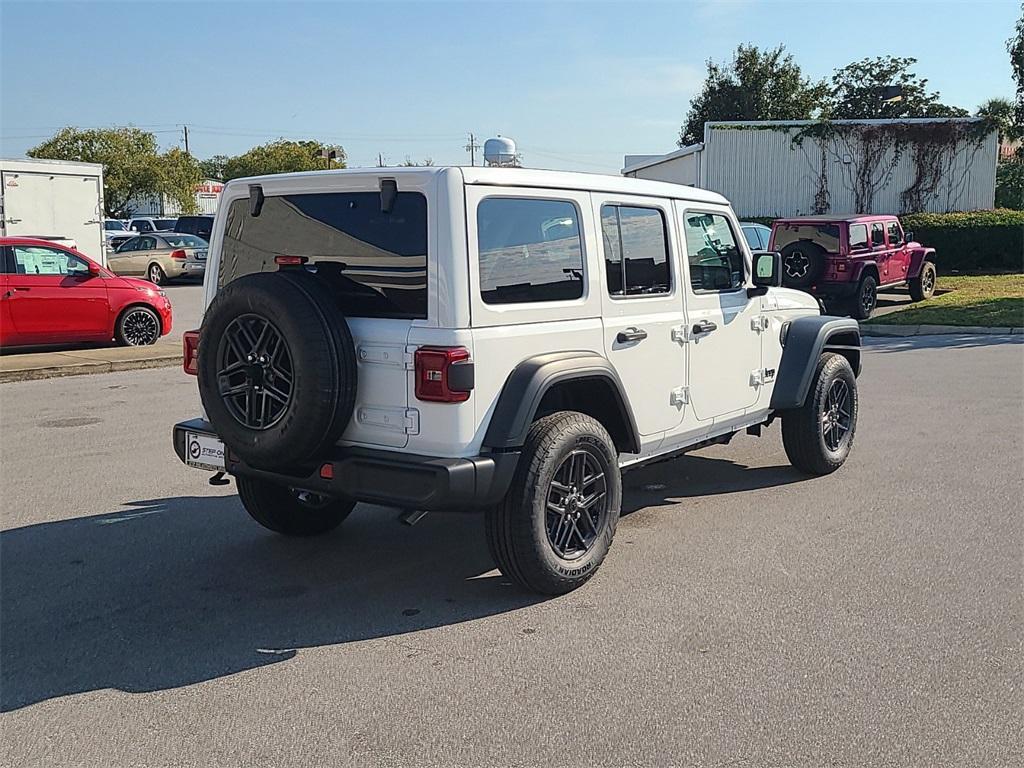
(788, 168)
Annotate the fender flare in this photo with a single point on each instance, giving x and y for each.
(806, 338)
(918, 256)
(861, 266)
(531, 379)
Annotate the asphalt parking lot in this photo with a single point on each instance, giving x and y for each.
(746, 615)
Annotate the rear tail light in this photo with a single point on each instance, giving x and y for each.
(179, 255)
(290, 261)
(443, 374)
(190, 349)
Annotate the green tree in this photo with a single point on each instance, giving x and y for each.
(856, 92)
(1001, 112)
(133, 168)
(756, 85)
(1015, 46)
(213, 168)
(282, 156)
(1010, 185)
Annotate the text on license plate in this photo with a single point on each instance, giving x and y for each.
(204, 451)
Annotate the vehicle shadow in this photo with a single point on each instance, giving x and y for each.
(178, 591)
(694, 475)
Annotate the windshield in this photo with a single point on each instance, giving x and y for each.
(374, 263)
(113, 226)
(185, 241)
(164, 223)
(825, 235)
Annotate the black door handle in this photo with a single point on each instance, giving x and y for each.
(704, 326)
(631, 334)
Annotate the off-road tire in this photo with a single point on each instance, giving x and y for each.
(282, 510)
(803, 434)
(923, 286)
(804, 257)
(865, 299)
(323, 365)
(517, 533)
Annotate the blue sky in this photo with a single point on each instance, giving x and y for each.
(578, 85)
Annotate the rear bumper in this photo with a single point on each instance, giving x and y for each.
(391, 478)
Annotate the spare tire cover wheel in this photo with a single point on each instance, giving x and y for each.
(277, 369)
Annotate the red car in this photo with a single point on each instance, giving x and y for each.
(846, 259)
(53, 295)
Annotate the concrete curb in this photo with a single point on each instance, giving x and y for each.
(872, 329)
(48, 365)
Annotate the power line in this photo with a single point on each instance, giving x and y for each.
(472, 147)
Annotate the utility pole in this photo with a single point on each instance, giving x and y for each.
(185, 127)
(472, 147)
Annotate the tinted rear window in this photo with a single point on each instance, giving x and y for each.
(826, 235)
(375, 263)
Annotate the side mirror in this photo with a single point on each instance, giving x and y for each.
(908, 236)
(94, 270)
(767, 269)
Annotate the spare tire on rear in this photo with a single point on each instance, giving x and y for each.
(277, 368)
(802, 262)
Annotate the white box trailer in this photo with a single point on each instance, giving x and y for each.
(54, 199)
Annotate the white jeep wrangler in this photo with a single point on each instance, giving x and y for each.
(496, 339)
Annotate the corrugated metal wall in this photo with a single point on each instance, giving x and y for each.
(762, 174)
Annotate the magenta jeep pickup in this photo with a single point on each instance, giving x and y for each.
(844, 260)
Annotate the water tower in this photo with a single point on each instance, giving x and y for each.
(501, 152)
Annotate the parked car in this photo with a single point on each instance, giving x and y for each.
(54, 295)
(149, 224)
(758, 235)
(846, 259)
(160, 257)
(200, 226)
(496, 340)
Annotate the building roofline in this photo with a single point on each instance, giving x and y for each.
(656, 159)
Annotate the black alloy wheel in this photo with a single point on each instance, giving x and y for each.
(836, 418)
(577, 504)
(254, 372)
(139, 327)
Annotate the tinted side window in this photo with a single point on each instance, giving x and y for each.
(636, 251)
(752, 239)
(6, 260)
(858, 236)
(716, 263)
(375, 263)
(895, 233)
(530, 250)
(877, 233)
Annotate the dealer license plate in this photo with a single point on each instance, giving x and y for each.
(204, 451)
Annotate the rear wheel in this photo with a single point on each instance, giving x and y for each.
(556, 524)
(923, 286)
(137, 327)
(155, 274)
(863, 303)
(818, 436)
(291, 511)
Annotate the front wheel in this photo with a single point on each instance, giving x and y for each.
(818, 435)
(556, 524)
(291, 511)
(137, 327)
(923, 286)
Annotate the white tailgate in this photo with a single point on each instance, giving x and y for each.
(382, 416)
